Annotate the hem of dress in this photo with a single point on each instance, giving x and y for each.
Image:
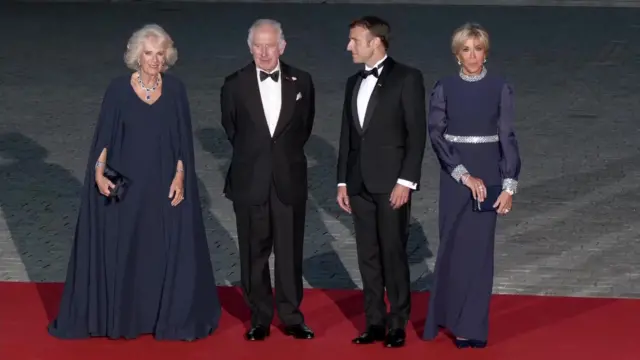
(453, 332)
(204, 331)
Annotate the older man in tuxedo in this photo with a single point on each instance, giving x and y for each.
(268, 109)
(382, 144)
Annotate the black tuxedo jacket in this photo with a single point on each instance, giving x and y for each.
(390, 145)
(260, 160)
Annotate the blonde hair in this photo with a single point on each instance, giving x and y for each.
(136, 43)
(466, 32)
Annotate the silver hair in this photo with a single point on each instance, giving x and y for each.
(136, 43)
(262, 22)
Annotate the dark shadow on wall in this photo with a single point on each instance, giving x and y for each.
(40, 203)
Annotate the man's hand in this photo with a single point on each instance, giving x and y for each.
(399, 196)
(343, 199)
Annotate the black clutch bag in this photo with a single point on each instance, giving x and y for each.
(493, 192)
(121, 183)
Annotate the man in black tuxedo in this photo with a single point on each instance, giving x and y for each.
(382, 144)
(268, 108)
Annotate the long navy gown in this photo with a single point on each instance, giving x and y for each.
(471, 129)
(140, 266)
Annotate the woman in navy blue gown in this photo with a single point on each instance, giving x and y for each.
(140, 263)
(470, 124)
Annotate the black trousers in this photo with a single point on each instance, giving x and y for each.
(261, 228)
(381, 242)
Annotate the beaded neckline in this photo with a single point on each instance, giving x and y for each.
(473, 78)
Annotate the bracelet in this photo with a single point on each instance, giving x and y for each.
(179, 170)
(99, 164)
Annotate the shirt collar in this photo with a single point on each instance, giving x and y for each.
(277, 68)
(377, 64)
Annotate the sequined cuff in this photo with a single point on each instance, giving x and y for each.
(458, 171)
(510, 184)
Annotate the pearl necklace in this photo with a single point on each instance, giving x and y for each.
(147, 90)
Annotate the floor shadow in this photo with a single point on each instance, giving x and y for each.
(325, 269)
(224, 252)
(40, 204)
(418, 252)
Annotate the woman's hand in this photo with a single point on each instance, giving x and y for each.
(504, 203)
(477, 187)
(176, 191)
(104, 185)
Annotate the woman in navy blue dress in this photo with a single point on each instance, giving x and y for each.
(470, 123)
(140, 262)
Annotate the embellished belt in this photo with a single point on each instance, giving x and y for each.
(472, 139)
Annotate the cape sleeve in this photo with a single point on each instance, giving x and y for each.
(186, 150)
(105, 131)
(191, 230)
(94, 224)
(190, 271)
(106, 127)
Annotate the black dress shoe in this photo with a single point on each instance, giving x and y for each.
(300, 331)
(257, 333)
(395, 338)
(373, 334)
(469, 343)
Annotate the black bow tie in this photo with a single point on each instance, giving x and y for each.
(366, 73)
(274, 76)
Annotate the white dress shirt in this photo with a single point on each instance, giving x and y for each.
(367, 86)
(271, 95)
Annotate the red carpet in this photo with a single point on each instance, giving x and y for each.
(522, 328)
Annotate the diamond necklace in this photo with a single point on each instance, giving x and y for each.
(147, 90)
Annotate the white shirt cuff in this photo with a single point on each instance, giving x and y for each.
(402, 182)
(408, 184)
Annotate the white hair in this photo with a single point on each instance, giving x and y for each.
(136, 43)
(262, 22)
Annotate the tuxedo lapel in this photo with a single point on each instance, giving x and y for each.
(354, 103)
(253, 99)
(288, 104)
(378, 91)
